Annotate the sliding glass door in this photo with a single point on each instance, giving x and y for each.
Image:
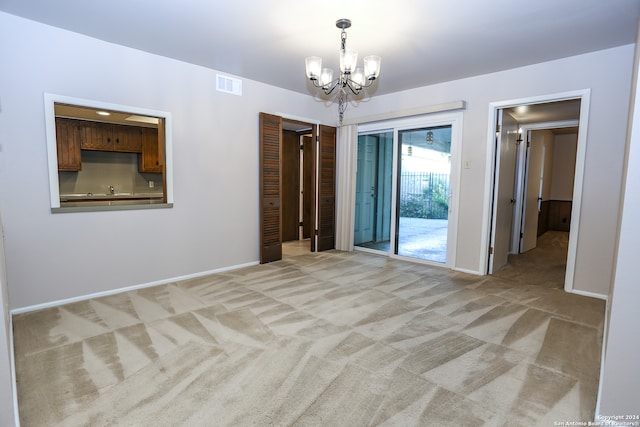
(422, 218)
(405, 181)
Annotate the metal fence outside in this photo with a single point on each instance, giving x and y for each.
(424, 195)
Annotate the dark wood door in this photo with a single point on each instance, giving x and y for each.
(326, 188)
(290, 185)
(308, 190)
(270, 188)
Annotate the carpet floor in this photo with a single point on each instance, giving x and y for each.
(325, 339)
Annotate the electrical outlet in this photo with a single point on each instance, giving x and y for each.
(151, 184)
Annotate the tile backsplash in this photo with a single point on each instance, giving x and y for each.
(101, 169)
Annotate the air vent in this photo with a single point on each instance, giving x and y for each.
(228, 84)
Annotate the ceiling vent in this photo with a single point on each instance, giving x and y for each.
(228, 85)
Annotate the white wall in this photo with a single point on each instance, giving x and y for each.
(6, 383)
(564, 166)
(214, 222)
(608, 74)
(620, 374)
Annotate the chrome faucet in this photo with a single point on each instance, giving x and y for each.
(112, 190)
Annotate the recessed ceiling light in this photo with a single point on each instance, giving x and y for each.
(142, 119)
(103, 113)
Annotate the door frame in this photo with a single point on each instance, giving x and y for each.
(319, 177)
(506, 135)
(487, 232)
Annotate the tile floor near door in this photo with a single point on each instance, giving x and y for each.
(327, 339)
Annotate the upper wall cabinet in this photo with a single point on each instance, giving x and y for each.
(68, 142)
(110, 137)
(127, 138)
(150, 159)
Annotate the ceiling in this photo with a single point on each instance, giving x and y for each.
(548, 112)
(421, 42)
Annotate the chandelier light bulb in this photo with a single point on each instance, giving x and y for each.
(348, 60)
(326, 77)
(313, 66)
(372, 66)
(358, 78)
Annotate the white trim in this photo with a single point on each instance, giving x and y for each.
(550, 125)
(584, 96)
(127, 289)
(581, 159)
(372, 251)
(420, 111)
(14, 383)
(52, 153)
(465, 270)
(588, 294)
(286, 117)
(603, 352)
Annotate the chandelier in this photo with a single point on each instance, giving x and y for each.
(350, 79)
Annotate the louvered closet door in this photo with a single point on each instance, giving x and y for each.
(270, 188)
(327, 188)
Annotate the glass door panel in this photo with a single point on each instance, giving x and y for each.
(373, 191)
(422, 216)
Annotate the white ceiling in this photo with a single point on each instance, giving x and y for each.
(421, 42)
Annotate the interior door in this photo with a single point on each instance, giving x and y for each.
(503, 198)
(290, 186)
(533, 192)
(308, 193)
(326, 188)
(270, 188)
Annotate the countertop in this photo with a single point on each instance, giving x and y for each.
(79, 197)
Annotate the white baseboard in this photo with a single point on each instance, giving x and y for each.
(464, 270)
(588, 294)
(126, 289)
(14, 384)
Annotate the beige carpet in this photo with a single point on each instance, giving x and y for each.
(328, 339)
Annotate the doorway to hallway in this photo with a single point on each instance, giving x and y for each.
(522, 171)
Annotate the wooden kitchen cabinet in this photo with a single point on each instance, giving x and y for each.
(127, 139)
(68, 144)
(95, 136)
(151, 159)
(111, 137)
